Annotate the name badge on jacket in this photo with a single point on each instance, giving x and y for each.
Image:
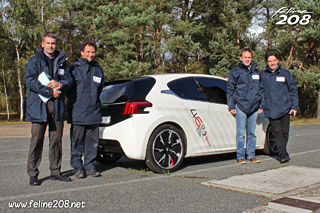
(281, 79)
(255, 77)
(60, 71)
(96, 79)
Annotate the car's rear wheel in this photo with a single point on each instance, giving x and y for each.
(166, 149)
(270, 148)
(108, 157)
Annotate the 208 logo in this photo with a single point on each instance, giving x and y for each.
(201, 128)
(293, 18)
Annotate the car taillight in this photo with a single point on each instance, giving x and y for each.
(136, 107)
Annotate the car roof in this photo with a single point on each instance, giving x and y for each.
(165, 77)
(171, 76)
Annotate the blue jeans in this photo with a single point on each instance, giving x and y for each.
(246, 124)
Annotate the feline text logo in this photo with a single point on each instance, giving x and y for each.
(292, 16)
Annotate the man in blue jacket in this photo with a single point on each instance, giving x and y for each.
(244, 101)
(42, 112)
(280, 101)
(84, 111)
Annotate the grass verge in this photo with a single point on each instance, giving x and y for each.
(303, 121)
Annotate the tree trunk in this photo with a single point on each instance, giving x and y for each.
(291, 53)
(318, 108)
(157, 57)
(269, 42)
(238, 39)
(141, 46)
(5, 90)
(19, 82)
(70, 35)
(185, 61)
(185, 10)
(42, 19)
(175, 61)
(306, 55)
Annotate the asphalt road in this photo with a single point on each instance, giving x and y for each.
(127, 186)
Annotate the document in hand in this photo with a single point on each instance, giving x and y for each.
(44, 80)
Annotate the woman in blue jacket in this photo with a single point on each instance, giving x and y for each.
(280, 101)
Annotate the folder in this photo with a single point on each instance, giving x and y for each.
(44, 80)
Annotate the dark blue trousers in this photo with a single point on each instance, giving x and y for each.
(84, 142)
(280, 131)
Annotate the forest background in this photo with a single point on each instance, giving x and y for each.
(139, 37)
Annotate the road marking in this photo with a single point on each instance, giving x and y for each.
(27, 150)
(17, 150)
(186, 173)
(25, 162)
(306, 152)
(23, 196)
(231, 165)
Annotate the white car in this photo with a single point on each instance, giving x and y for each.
(163, 119)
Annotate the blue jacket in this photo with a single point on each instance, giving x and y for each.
(280, 92)
(84, 106)
(243, 88)
(36, 108)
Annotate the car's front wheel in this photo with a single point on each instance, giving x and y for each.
(270, 148)
(166, 149)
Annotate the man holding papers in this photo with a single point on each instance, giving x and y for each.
(46, 106)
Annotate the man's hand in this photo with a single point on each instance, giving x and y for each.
(293, 112)
(260, 111)
(54, 84)
(233, 111)
(55, 93)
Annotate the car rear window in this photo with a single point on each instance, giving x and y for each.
(127, 90)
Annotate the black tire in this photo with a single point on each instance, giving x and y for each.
(270, 147)
(166, 149)
(108, 157)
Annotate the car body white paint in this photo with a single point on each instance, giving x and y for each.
(219, 125)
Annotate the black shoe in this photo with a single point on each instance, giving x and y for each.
(34, 181)
(80, 174)
(60, 177)
(284, 158)
(93, 173)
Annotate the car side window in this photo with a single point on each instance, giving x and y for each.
(215, 88)
(188, 88)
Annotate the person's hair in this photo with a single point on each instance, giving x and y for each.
(271, 53)
(245, 50)
(90, 43)
(51, 35)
